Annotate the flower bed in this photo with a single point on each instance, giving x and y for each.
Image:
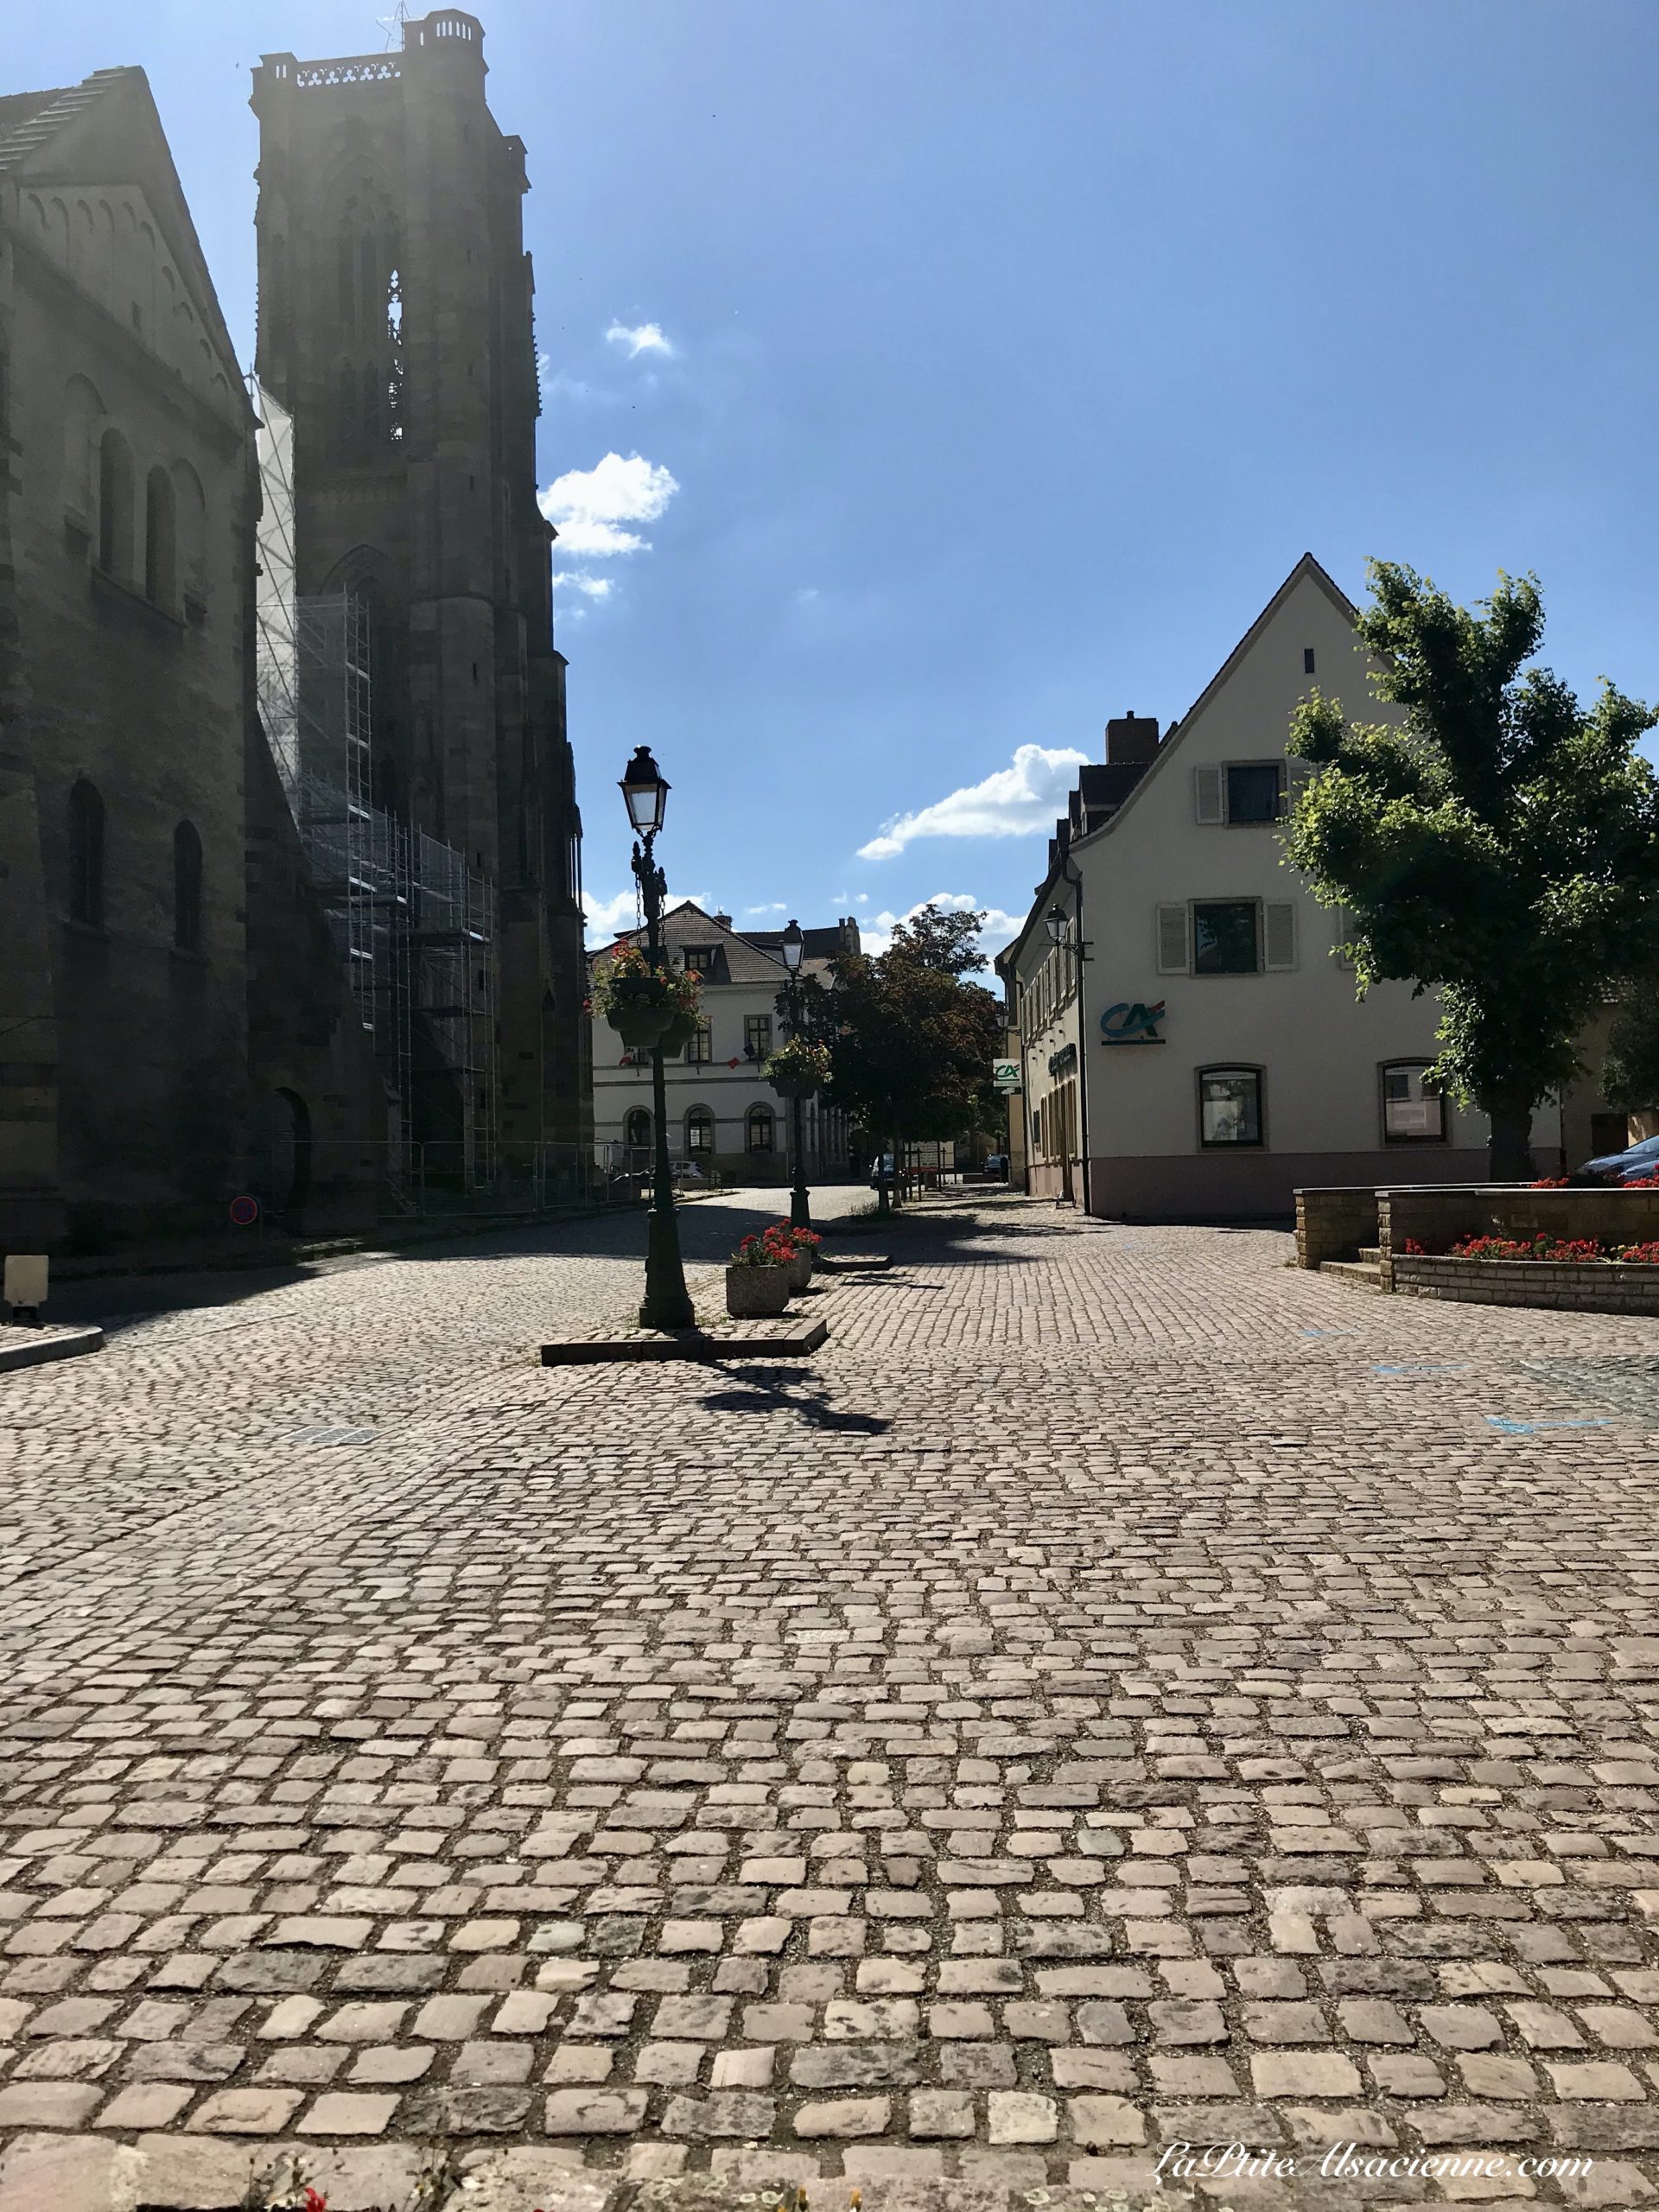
(1627, 1283)
(1556, 1251)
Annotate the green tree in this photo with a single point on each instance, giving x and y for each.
(913, 1039)
(1630, 1074)
(1499, 845)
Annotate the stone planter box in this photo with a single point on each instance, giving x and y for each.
(1596, 1287)
(757, 1294)
(800, 1268)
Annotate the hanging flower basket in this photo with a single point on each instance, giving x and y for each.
(798, 1069)
(639, 1001)
(682, 1028)
(640, 1027)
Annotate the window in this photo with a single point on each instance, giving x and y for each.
(702, 1046)
(1225, 937)
(87, 856)
(115, 506)
(1240, 790)
(636, 1129)
(757, 1129)
(699, 1132)
(1229, 1106)
(1411, 1114)
(187, 888)
(161, 560)
(757, 1038)
(1307, 660)
(1254, 792)
(699, 959)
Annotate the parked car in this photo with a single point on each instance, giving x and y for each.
(881, 1171)
(996, 1166)
(1626, 1167)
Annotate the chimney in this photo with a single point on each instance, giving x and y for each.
(723, 921)
(1132, 739)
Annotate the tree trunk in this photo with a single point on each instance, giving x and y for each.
(1511, 1158)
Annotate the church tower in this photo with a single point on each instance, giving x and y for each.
(394, 326)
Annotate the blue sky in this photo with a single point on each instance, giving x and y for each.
(965, 374)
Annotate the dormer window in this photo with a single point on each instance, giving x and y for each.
(699, 959)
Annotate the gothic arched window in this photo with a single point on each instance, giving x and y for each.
(187, 888)
(86, 855)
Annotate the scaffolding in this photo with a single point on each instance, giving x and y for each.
(415, 927)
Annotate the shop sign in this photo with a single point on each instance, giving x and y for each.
(1006, 1076)
(1131, 1023)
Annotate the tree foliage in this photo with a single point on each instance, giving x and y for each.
(1630, 1074)
(1500, 844)
(914, 1041)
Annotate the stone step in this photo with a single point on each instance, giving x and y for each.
(1361, 1273)
(1371, 1252)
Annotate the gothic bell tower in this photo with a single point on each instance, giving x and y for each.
(394, 326)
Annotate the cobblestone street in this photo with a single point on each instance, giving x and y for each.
(1121, 1691)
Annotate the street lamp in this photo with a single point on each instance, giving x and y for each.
(1060, 935)
(792, 946)
(667, 1304)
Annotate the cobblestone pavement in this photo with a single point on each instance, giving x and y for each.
(1123, 1692)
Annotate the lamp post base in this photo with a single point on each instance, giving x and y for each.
(667, 1303)
(800, 1209)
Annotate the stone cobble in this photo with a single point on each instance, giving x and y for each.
(1125, 1692)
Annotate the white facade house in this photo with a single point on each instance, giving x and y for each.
(1214, 1056)
(723, 1116)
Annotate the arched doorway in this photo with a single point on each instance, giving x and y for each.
(282, 1155)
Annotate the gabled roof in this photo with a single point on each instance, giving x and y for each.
(686, 924)
(106, 132)
(1307, 569)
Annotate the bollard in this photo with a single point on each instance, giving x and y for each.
(26, 1287)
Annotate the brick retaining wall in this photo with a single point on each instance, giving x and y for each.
(1331, 1223)
(1600, 1287)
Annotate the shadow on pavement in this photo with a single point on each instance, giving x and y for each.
(771, 1390)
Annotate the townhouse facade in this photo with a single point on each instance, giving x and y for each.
(724, 1118)
(1192, 1045)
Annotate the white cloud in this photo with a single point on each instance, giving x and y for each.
(875, 934)
(607, 918)
(776, 907)
(639, 338)
(586, 505)
(584, 580)
(1012, 802)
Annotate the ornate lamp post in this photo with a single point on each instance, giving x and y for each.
(1061, 935)
(800, 1210)
(667, 1304)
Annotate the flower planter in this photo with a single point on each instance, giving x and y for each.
(800, 1269)
(793, 1086)
(757, 1294)
(640, 1027)
(681, 1029)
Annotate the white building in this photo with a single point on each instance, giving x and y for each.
(723, 1116)
(1217, 1057)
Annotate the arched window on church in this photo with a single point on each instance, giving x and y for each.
(115, 506)
(160, 541)
(345, 422)
(187, 888)
(86, 855)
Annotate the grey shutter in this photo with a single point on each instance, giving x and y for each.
(1208, 802)
(1278, 919)
(1172, 940)
(1293, 778)
(1344, 931)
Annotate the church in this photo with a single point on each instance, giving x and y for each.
(289, 848)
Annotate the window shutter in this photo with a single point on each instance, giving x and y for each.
(1293, 777)
(1172, 940)
(1344, 931)
(1208, 798)
(1278, 917)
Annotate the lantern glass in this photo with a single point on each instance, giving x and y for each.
(1056, 919)
(793, 944)
(645, 789)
